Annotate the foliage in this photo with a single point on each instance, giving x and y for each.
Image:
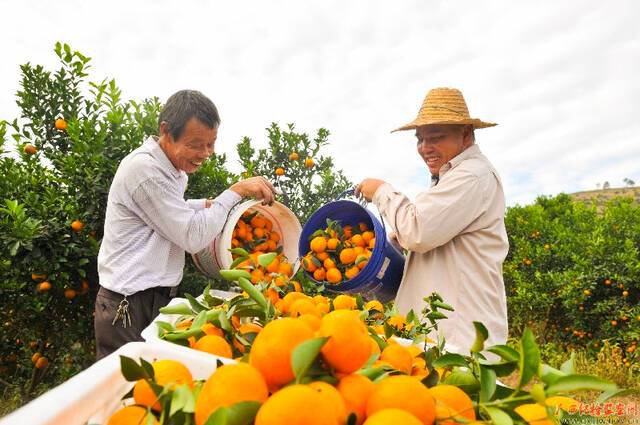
(306, 186)
(573, 270)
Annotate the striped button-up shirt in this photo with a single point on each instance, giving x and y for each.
(457, 241)
(149, 225)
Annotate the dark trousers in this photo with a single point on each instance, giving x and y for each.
(143, 308)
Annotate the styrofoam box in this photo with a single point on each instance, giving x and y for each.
(150, 333)
(94, 394)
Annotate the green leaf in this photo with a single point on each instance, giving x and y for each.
(242, 413)
(253, 292)
(195, 304)
(487, 384)
(537, 393)
(549, 374)
(148, 368)
(182, 399)
(265, 259)
(505, 352)
(463, 379)
(568, 367)
(451, 359)
(181, 308)
(481, 336)
(615, 393)
(131, 370)
(529, 358)
(304, 355)
(235, 274)
(571, 383)
(442, 305)
(498, 416)
(239, 251)
(237, 261)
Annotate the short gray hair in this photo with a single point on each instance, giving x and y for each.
(184, 105)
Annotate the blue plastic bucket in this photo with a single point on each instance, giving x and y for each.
(381, 277)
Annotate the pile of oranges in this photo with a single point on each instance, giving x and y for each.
(255, 234)
(268, 376)
(337, 253)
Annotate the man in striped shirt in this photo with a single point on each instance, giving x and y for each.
(149, 225)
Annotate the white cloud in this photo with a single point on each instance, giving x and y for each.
(559, 77)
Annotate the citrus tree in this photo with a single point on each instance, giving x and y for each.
(573, 270)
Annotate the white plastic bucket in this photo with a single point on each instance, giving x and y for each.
(216, 256)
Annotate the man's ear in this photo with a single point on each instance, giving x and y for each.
(164, 129)
(467, 135)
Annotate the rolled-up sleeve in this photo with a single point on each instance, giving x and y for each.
(438, 214)
(165, 211)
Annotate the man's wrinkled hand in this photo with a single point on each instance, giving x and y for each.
(256, 187)
(368, 187)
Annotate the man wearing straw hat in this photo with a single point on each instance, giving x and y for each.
(454, 231)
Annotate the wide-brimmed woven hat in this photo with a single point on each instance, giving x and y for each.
(444, 105)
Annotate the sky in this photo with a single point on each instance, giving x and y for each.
(560, 78)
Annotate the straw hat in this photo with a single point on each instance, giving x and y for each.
(444, 106)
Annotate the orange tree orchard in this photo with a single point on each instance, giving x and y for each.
(56, 173)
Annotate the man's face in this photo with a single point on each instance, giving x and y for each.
(192, 148)
(438, 144)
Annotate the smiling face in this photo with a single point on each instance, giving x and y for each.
(438, 144)
(192, 148)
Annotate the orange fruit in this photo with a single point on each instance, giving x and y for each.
(308, 264)
(61, 124)
(210, 329)
(323, 308)
(257, 275)
(367, 237)
(347, 256)
(132, 415)
(352, 272)
(274, 266)
(374, 305)
(403, 392)
(319, 274)
(348, 347)
(398, 357)
(308, 162)
(258, 221)
(230, 384)
(344, 302)
(37, 276)
(214, 344)
(397, 321)
(311, 319)
(355, 390)
(334, 276)
(534, 414)
(274, 236)
(166, 372)
(293, 156)
(329, 264)
(303, 306)
(333, 243)
(272, 348)
(285, 269)
(333, 398)
(77, 226)
(363, 226)
(348, 231)
(322, 256)
(372, 243)
(259, 232)
(279, 171)
(292, 297)
(43, 287)
(452, 403)
(35, 357)
(392, 416)
(318, 244)
(42, 362)
(358, 240)
(297, 405)
(29, 149)
(69, 293)
(296, 286)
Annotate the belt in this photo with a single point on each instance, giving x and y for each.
(167, 291)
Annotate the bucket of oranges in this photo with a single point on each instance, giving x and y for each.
(344, 246)
(256, 229)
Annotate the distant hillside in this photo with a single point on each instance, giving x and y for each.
(603, 195)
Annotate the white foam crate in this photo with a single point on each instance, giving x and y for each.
(94, 394)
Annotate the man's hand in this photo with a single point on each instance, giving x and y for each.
(256, 187)
(367, 188)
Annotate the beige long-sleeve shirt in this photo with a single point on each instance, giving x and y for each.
(457, 241)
